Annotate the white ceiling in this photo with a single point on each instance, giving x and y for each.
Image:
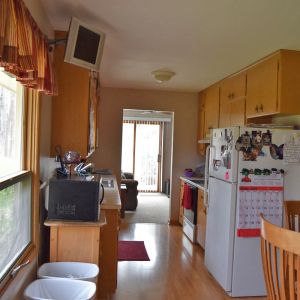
(202, 41)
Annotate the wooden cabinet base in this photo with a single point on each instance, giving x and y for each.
(75, 243)
(109, 253)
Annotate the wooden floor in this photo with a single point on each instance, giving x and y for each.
(175, 271)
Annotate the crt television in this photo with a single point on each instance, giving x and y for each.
(84, 45)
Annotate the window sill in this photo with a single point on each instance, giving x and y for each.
(13, 288)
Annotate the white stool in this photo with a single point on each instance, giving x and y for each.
(60, 289)
(71, 270)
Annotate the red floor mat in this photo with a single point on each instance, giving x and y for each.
(132, 250)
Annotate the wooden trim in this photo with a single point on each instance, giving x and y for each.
(53, 243)
(12, 179)
(32, 154)
(57, 223)
(160, 153)
(174, 223)
(8, 282)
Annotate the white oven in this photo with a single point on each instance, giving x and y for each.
(190, 217)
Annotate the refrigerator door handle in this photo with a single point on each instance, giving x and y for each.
(209, 149)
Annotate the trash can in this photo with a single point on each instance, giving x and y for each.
(70, 270)
(60, 289)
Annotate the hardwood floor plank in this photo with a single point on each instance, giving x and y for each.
(175, 271)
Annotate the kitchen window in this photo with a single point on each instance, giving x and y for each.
(15, 182)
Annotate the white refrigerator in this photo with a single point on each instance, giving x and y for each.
(246, 178)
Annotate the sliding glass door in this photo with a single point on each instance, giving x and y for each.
(141, 153)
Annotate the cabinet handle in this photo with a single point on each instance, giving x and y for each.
(261, 107)
(232, 95)
(256, 108)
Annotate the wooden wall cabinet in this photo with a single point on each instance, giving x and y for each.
(201, 124)
(232, 100)
(273, 85)
(208, 114)
(212, 106)
(201, 219)
(74, 109)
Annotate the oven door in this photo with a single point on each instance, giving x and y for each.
(189, 229)
(190, 215)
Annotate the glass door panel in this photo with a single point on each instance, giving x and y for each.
(128, 147)
(147, 150)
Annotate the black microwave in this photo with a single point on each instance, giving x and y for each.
(75, 198)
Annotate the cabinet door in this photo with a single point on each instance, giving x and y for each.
(180, 219)
(262, 88)
(232, 93)
(237, 112)
(75, 243)
(201, 219)
(70, 111)
(212, 105)
(224, 110)
(201, 124)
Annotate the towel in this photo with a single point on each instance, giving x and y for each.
(194, 203)
(187, 197)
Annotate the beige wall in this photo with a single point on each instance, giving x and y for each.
(110, 109)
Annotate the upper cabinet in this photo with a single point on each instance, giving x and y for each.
(201, 124)
(211, 99)
(74, 109)
(232, 100)
(273, 85)
(208, 114)
(262, 88)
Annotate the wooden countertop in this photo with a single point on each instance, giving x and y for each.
(112, 198)
(100, 223)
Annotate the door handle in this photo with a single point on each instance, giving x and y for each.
(261, 108)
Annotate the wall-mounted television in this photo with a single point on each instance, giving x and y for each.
(84, 45)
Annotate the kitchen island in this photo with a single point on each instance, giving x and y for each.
(94, 242)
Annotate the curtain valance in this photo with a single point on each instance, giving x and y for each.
(24, 48)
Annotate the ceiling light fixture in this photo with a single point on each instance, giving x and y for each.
(162, 75)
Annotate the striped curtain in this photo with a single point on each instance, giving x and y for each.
(24, 48)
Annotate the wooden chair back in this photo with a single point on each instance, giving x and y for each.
(292, 215)
(280, 251)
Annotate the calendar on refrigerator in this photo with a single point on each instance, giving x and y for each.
(259, 194)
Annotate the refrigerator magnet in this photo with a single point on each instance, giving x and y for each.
(267, 138)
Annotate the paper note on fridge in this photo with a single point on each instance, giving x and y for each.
(291, 153)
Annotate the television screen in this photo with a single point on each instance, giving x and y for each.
(84, 45)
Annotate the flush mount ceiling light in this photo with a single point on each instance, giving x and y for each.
(162, 75)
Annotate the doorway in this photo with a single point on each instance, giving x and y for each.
(147, 138)
(141, 152)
